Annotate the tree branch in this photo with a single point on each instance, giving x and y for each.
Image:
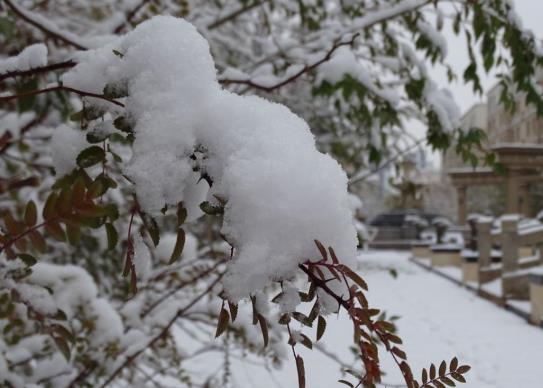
(298, 74)
(23, 15)
(59, 88)
(38, 70)
(163, 332)
(235, 14)
(129, 16)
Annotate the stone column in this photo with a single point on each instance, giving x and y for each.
(524, 199)
(512, 285)
(512, 194)
(509, 240)
(484, 241)
(462, 204)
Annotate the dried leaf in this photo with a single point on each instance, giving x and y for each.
(224, 318)
(432, 372)
(179, 245)
(301, 371)
(233, 310)
(263, 328)
(321, 327)
(398, 352)
(74, 234)
(322, 250)
(453, 364)
(14, 227)
(333, 255)
(55, 230)
(354, 277)
(442, 368)
(463, 369)
(50, 206)
(37, 240)
(31, 214)
(62, 345)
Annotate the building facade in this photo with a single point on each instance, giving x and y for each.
(517, 141)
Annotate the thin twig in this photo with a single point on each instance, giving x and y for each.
(235, 14)
(59, 88)
(163, 332)
(38, 70)
(295, 76)
(16, 10)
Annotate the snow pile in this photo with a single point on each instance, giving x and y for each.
(279, 192)
(32, 56)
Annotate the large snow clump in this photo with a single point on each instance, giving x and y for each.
(280, 192)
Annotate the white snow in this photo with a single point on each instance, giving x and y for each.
(433, 35)
(502, 348)
(443, 104)
(32, 56)
(344, 62)
(66, 143)
(280, 192)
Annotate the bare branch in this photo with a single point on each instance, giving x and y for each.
(58, 88)
(129, 16)
(23, 15)
(235, 14)
(163, 332)
(294, 77)
(38, 70)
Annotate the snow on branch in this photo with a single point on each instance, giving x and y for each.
(277, 192)
(31, 57)
(46, 26)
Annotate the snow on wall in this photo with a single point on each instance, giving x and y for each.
(280, 192)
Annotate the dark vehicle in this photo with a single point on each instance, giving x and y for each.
(394, 231)
(396, 219)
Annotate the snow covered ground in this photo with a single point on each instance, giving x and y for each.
(439, 320)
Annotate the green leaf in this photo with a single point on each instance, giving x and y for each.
(29, 260)
(179, 245)
(210, 209)
(31, 214)
(74, 234)
(91, 156)
(112, 236)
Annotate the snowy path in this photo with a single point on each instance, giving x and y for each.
(438, 320)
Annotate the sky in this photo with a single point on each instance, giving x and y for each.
(531, 14)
